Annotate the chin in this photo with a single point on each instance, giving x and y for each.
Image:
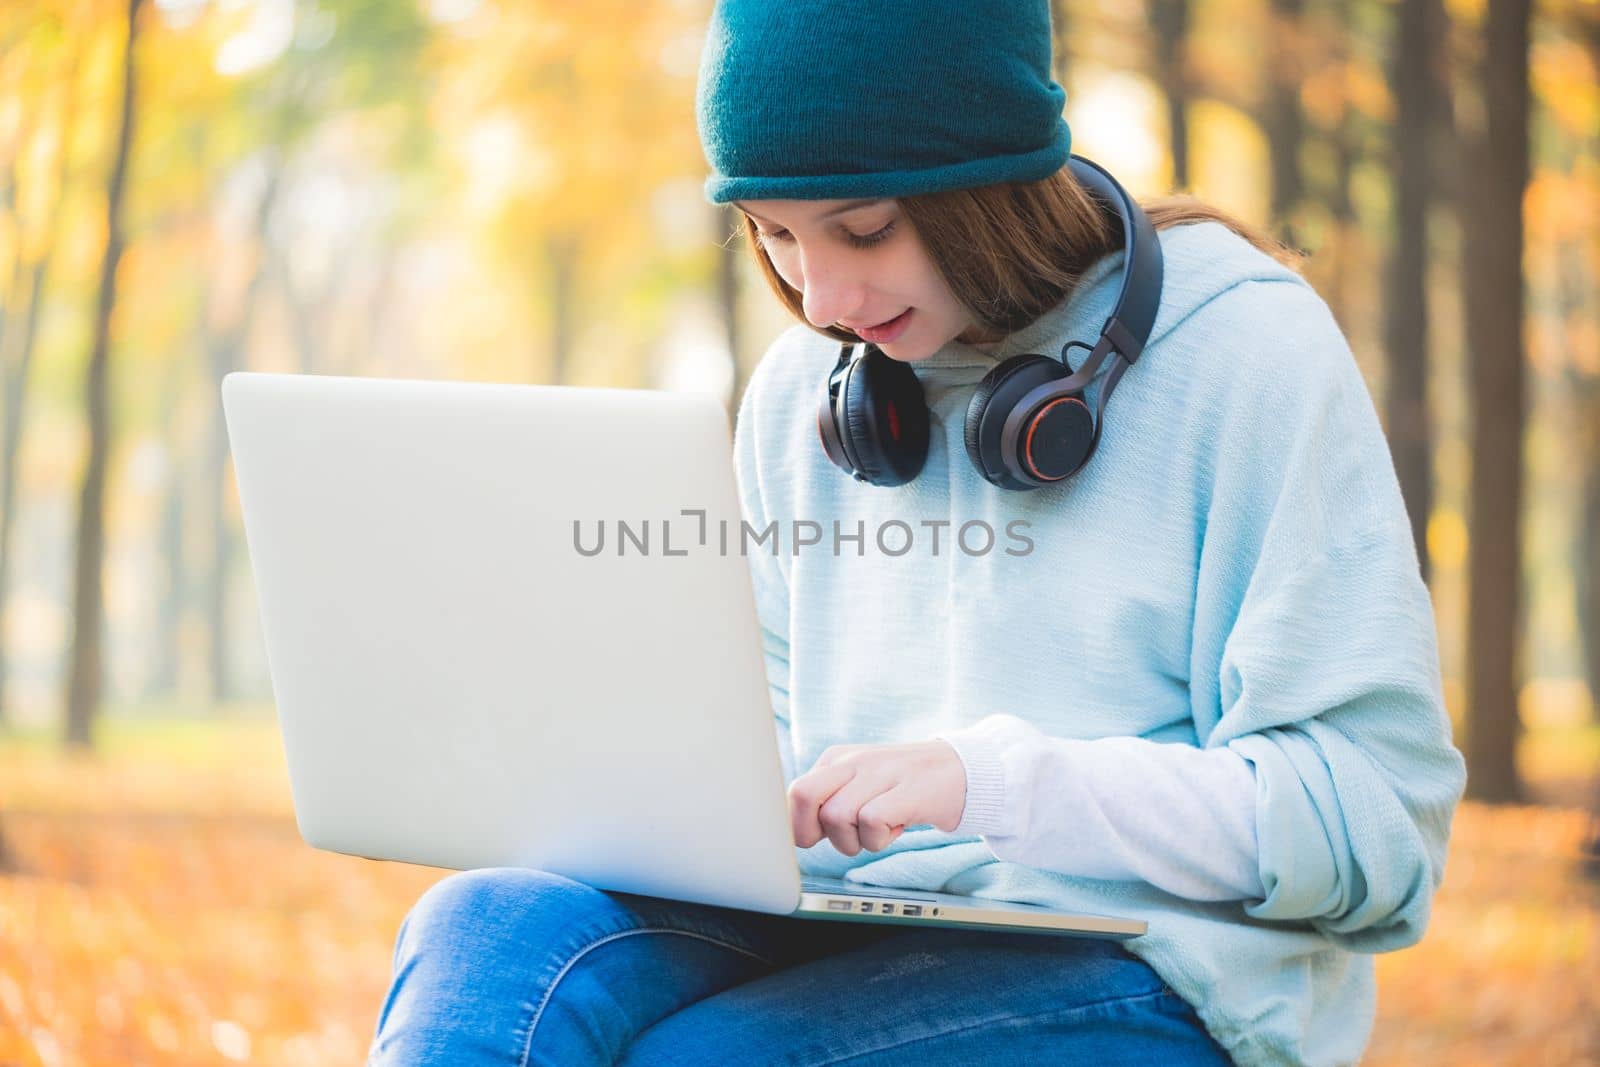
(903, 355)
(907, 351)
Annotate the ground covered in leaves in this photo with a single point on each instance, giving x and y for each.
(158, 907)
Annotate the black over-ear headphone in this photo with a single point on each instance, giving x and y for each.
(1027, 424)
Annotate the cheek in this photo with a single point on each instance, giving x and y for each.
(935, 293)
(919, 282)
(791, 276)
(788, 269)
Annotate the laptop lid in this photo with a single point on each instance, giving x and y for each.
(459, 685)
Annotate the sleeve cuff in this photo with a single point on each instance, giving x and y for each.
(989, 810)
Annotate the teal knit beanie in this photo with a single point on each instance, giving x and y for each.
(829, 99)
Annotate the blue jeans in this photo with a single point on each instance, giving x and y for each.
(519, 967)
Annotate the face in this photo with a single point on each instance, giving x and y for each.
(859, 263)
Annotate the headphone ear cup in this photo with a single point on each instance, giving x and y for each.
(975, 406)
(828, 429)
(992, 401)
(885, 432)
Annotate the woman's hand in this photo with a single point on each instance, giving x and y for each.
(864, 796)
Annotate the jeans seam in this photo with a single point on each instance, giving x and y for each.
(544, 1001)
(1084, 1009)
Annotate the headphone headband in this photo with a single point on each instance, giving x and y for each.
(1131, 321)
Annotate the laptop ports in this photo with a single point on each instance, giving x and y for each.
(866, 907)
(912, 910)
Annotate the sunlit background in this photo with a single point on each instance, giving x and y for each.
(510, 191)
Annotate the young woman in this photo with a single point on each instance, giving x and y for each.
(1197, 685)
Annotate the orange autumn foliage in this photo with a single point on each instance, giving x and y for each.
(164, 910)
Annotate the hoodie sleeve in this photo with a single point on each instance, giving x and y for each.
(1315, 647)
(1330, 688)
(1123, 808)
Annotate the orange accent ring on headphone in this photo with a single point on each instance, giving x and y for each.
(1033, 424)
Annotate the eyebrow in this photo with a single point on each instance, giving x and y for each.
(849, 205)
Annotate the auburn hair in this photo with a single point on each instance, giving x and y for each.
(1011, 251)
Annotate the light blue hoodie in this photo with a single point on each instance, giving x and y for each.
(1233, 568)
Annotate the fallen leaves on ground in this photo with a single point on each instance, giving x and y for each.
(164, 911)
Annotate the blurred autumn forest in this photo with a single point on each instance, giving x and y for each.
(510, 191)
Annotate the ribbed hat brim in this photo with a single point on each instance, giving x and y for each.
(1026, 167)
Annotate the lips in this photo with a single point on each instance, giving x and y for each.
(885, 332)
(885, 322)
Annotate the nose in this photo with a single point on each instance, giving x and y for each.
(829, 291)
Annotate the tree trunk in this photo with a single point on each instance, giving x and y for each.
(223, 360)
(224, 350)
(16, 381)
(1492, 232)
(1414, 72)
(367, 337)
(1588, 569)
(16, 360)
(1577, 285)
(9, 182)
(302, 319)
(1589, 529)
(1059, 24)
(310, 316)
(1343, 233)
(1284, 121)
(163, 677)
(726, 220)
(1170, 18)
(1588, 593)
(88, 606)
(10, 412)
(563, 256)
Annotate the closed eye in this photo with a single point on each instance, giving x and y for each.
(871, 239)
(855, 239)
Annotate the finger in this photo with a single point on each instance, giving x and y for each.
(885, 817)
(839, 813)
(807, 794)
(833, 754)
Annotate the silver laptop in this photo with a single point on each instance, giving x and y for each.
(502, 631)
